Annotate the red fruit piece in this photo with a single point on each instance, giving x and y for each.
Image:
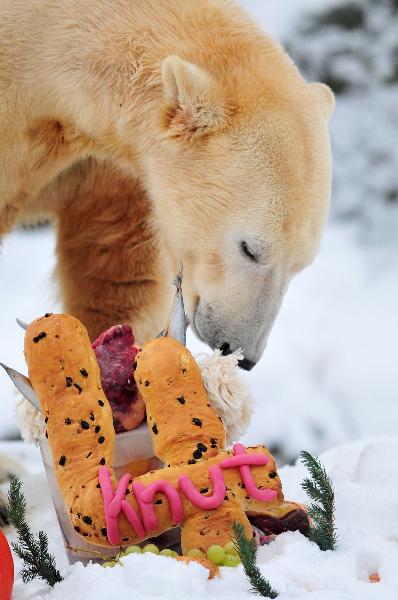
(6, 569)
(115, 351)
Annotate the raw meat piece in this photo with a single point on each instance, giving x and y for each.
(115, 351)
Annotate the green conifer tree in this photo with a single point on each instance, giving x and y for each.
(319, 488)
(32, 550)
(247, 550)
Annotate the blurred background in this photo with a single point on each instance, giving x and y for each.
(330, 372)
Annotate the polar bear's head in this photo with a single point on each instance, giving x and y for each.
(242, 188)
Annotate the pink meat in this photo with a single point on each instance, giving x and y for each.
(115, 351)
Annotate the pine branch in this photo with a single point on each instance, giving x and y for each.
(312, 490)
(247, 551)
(38, 562)
(319, 488)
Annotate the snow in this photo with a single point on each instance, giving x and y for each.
(364, 475)
(26, 291)
(365, 168)
(276, 19)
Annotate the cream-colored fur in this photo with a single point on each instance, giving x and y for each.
(155, 130)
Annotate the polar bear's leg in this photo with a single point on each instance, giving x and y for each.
(8, 217)
(109, 266)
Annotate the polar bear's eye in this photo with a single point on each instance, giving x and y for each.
(248, 252)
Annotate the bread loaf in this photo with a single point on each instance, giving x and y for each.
(203, 487)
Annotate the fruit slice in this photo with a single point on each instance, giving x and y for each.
(109, 564)
(230, 548)
(167, 552)
(195, 552)
(151, 548)
(216, 554)
(132, 550)
(231, 560)
(6, 569)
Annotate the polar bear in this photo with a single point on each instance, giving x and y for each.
(151, 131)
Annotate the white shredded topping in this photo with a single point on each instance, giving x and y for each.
(227, 390)
(29, 420)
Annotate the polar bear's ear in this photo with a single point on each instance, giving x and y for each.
(325, 96)
(194, 103)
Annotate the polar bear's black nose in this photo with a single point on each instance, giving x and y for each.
(246, 364)
(225, 349)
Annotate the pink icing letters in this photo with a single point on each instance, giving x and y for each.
(147, 512)
(197, 499)
(114, 504)
(177, 510)
(242, 461)
(145, 496)
(133, 518)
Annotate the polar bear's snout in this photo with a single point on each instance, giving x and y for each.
(219, 330)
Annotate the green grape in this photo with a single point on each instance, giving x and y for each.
(174, 553)
(132, 550)
(231, 560)
(216, 554)
(195, 552)
(230, 548)
(151, 548)
(167, 552)
(109, 563)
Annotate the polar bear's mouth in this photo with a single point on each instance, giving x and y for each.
(244, 363)
(194, 321)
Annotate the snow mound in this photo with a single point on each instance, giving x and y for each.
(364, 476)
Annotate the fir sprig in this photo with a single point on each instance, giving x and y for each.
(32, 550)
(247, 550)
(320, 489)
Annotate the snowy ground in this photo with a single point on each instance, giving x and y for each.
(364, 476)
